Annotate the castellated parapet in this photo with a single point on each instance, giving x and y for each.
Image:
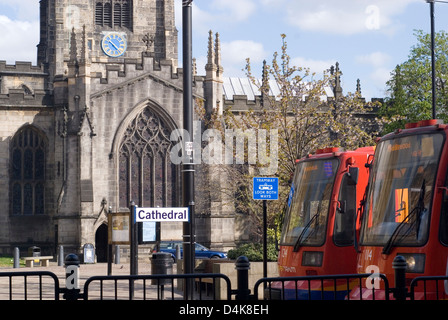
(22, 85)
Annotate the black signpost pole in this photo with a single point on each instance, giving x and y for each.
(433, 62)
(134, 252)
(109, 250)
(265, 240)
(187, 152)
(134, 248)
(265, 189)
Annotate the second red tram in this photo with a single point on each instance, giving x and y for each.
(406, 209)
(320, 222)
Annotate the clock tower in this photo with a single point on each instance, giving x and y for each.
(112, 31)
(111, 66)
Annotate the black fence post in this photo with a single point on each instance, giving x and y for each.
(72, 291)
(399, 265)
(242, 266)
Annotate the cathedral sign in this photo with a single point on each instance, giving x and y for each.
(161, 214)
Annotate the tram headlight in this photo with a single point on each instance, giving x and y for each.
(415, 262)
(312, 258)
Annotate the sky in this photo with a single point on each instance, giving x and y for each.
(367, 37)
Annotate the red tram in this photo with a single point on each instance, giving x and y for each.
(320, 223)
(406, 208)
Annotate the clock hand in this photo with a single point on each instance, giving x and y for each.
(115, 46)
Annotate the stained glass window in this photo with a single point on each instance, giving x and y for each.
(27, 174)
(146, 174)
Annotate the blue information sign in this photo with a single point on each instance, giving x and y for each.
(265, 188)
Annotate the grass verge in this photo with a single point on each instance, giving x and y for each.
(8, 262)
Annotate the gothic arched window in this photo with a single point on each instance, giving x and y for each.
(27, 174)
(146, 174)
(115, 13)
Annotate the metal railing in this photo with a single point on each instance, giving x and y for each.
(325, 287)
(32, 285)
(138, 287)
(44, 285)
(434, 288)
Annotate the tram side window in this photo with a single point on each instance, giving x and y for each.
(345, 215)
(443, 232)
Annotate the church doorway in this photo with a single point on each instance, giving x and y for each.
(101, 243)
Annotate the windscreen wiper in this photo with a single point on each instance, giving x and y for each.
(417, 212)
(302, 237)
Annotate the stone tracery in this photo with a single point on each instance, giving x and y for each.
(146, 174)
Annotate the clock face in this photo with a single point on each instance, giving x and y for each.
(114, 44)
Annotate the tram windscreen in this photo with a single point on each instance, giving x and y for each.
(400, 191)
(309, 202)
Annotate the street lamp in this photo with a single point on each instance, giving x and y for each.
(433, 63)
(433, 60)
(187, 152)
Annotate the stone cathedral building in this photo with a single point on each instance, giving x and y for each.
(88, 128)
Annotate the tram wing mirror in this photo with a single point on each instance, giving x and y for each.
(445, 193)
(353, 173)
(369, 161)
(341, 206)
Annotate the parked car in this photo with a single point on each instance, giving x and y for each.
(201, 252)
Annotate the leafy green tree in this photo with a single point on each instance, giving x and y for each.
(410, 85)
(254, 252)
(305, 119)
